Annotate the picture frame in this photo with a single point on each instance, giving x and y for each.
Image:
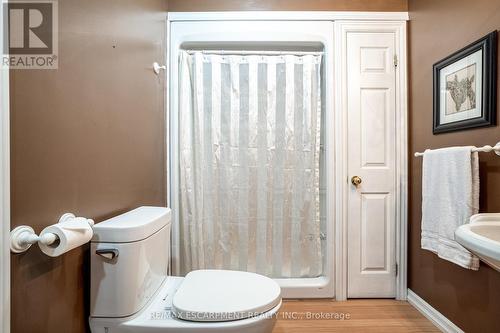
(465, 87)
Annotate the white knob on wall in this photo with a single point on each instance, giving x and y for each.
(157, 67)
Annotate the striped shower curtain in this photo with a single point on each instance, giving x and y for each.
(249, 148)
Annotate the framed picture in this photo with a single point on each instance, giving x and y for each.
(465, 87)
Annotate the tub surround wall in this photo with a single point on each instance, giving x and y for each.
(86, 138)
(334, 5)
(437, 29)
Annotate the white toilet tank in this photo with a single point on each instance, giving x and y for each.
(129, 257)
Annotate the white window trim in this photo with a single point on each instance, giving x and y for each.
(5, 190)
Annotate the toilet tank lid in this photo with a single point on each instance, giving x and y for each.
(132, 226)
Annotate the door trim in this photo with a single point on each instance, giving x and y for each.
(287, 16)
(5, 189)
(342, 28)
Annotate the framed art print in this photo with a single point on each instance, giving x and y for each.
(465, 87)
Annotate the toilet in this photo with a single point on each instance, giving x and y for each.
(132, 292)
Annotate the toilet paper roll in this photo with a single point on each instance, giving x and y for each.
(72, 233)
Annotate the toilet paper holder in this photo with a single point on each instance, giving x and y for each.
(23, 236)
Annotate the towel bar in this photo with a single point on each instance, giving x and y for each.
(485, 149)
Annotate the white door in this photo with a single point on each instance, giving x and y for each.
(371, 157)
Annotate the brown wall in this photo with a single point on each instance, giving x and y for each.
(221, 5)
(86, 138)
(437, 29)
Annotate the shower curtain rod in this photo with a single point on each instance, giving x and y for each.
(254, 52)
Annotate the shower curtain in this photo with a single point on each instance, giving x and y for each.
(249, 146)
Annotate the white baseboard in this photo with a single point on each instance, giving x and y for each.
(441, 322)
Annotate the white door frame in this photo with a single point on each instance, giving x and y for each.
(344, 22)
(342, 28)
(5, 189)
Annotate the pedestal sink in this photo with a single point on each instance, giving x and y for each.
(482, 237)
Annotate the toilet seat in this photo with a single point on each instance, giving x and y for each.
(220, 295)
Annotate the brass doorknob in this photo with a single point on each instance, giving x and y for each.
(356, 180)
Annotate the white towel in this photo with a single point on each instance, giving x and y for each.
(450, 196)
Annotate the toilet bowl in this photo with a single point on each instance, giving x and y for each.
(131, 291)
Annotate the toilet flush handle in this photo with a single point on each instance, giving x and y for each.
(109, 254)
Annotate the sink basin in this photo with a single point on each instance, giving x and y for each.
(482, 237)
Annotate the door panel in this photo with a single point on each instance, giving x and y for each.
(373, 232)
(371, 156)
